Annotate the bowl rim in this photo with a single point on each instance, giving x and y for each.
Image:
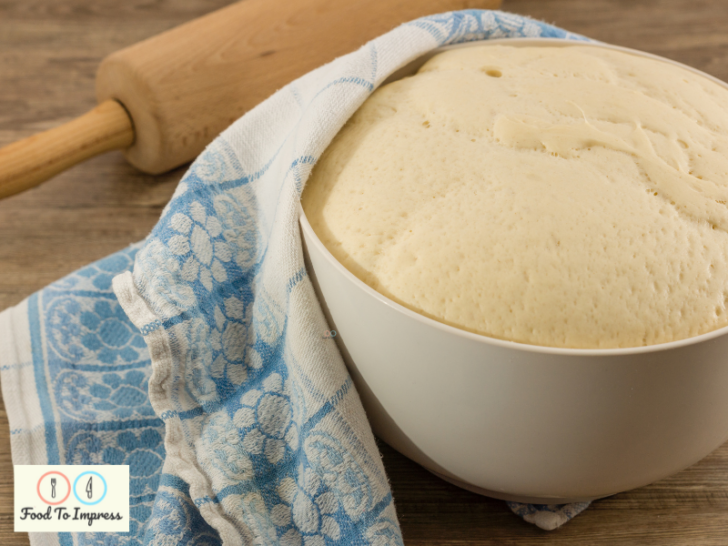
(312, 238)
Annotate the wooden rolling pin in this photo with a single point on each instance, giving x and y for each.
(164, 99)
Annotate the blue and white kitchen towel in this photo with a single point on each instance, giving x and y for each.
(204, 369)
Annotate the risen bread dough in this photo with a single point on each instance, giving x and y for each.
(560, 196)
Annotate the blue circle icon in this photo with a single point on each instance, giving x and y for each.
(89, 488)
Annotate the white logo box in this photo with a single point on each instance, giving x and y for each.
(71, 498)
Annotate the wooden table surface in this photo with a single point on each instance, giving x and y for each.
(49, 51)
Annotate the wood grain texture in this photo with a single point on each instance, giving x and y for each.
(26, 163)
(49, 51)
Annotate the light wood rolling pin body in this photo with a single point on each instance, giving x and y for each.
(164, 99)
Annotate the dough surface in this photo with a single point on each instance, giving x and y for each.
(558, 196)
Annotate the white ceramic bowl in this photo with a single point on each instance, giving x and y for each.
(523, 422)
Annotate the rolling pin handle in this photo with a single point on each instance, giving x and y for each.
(28, 162)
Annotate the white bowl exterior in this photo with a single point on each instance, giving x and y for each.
(522, 422)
